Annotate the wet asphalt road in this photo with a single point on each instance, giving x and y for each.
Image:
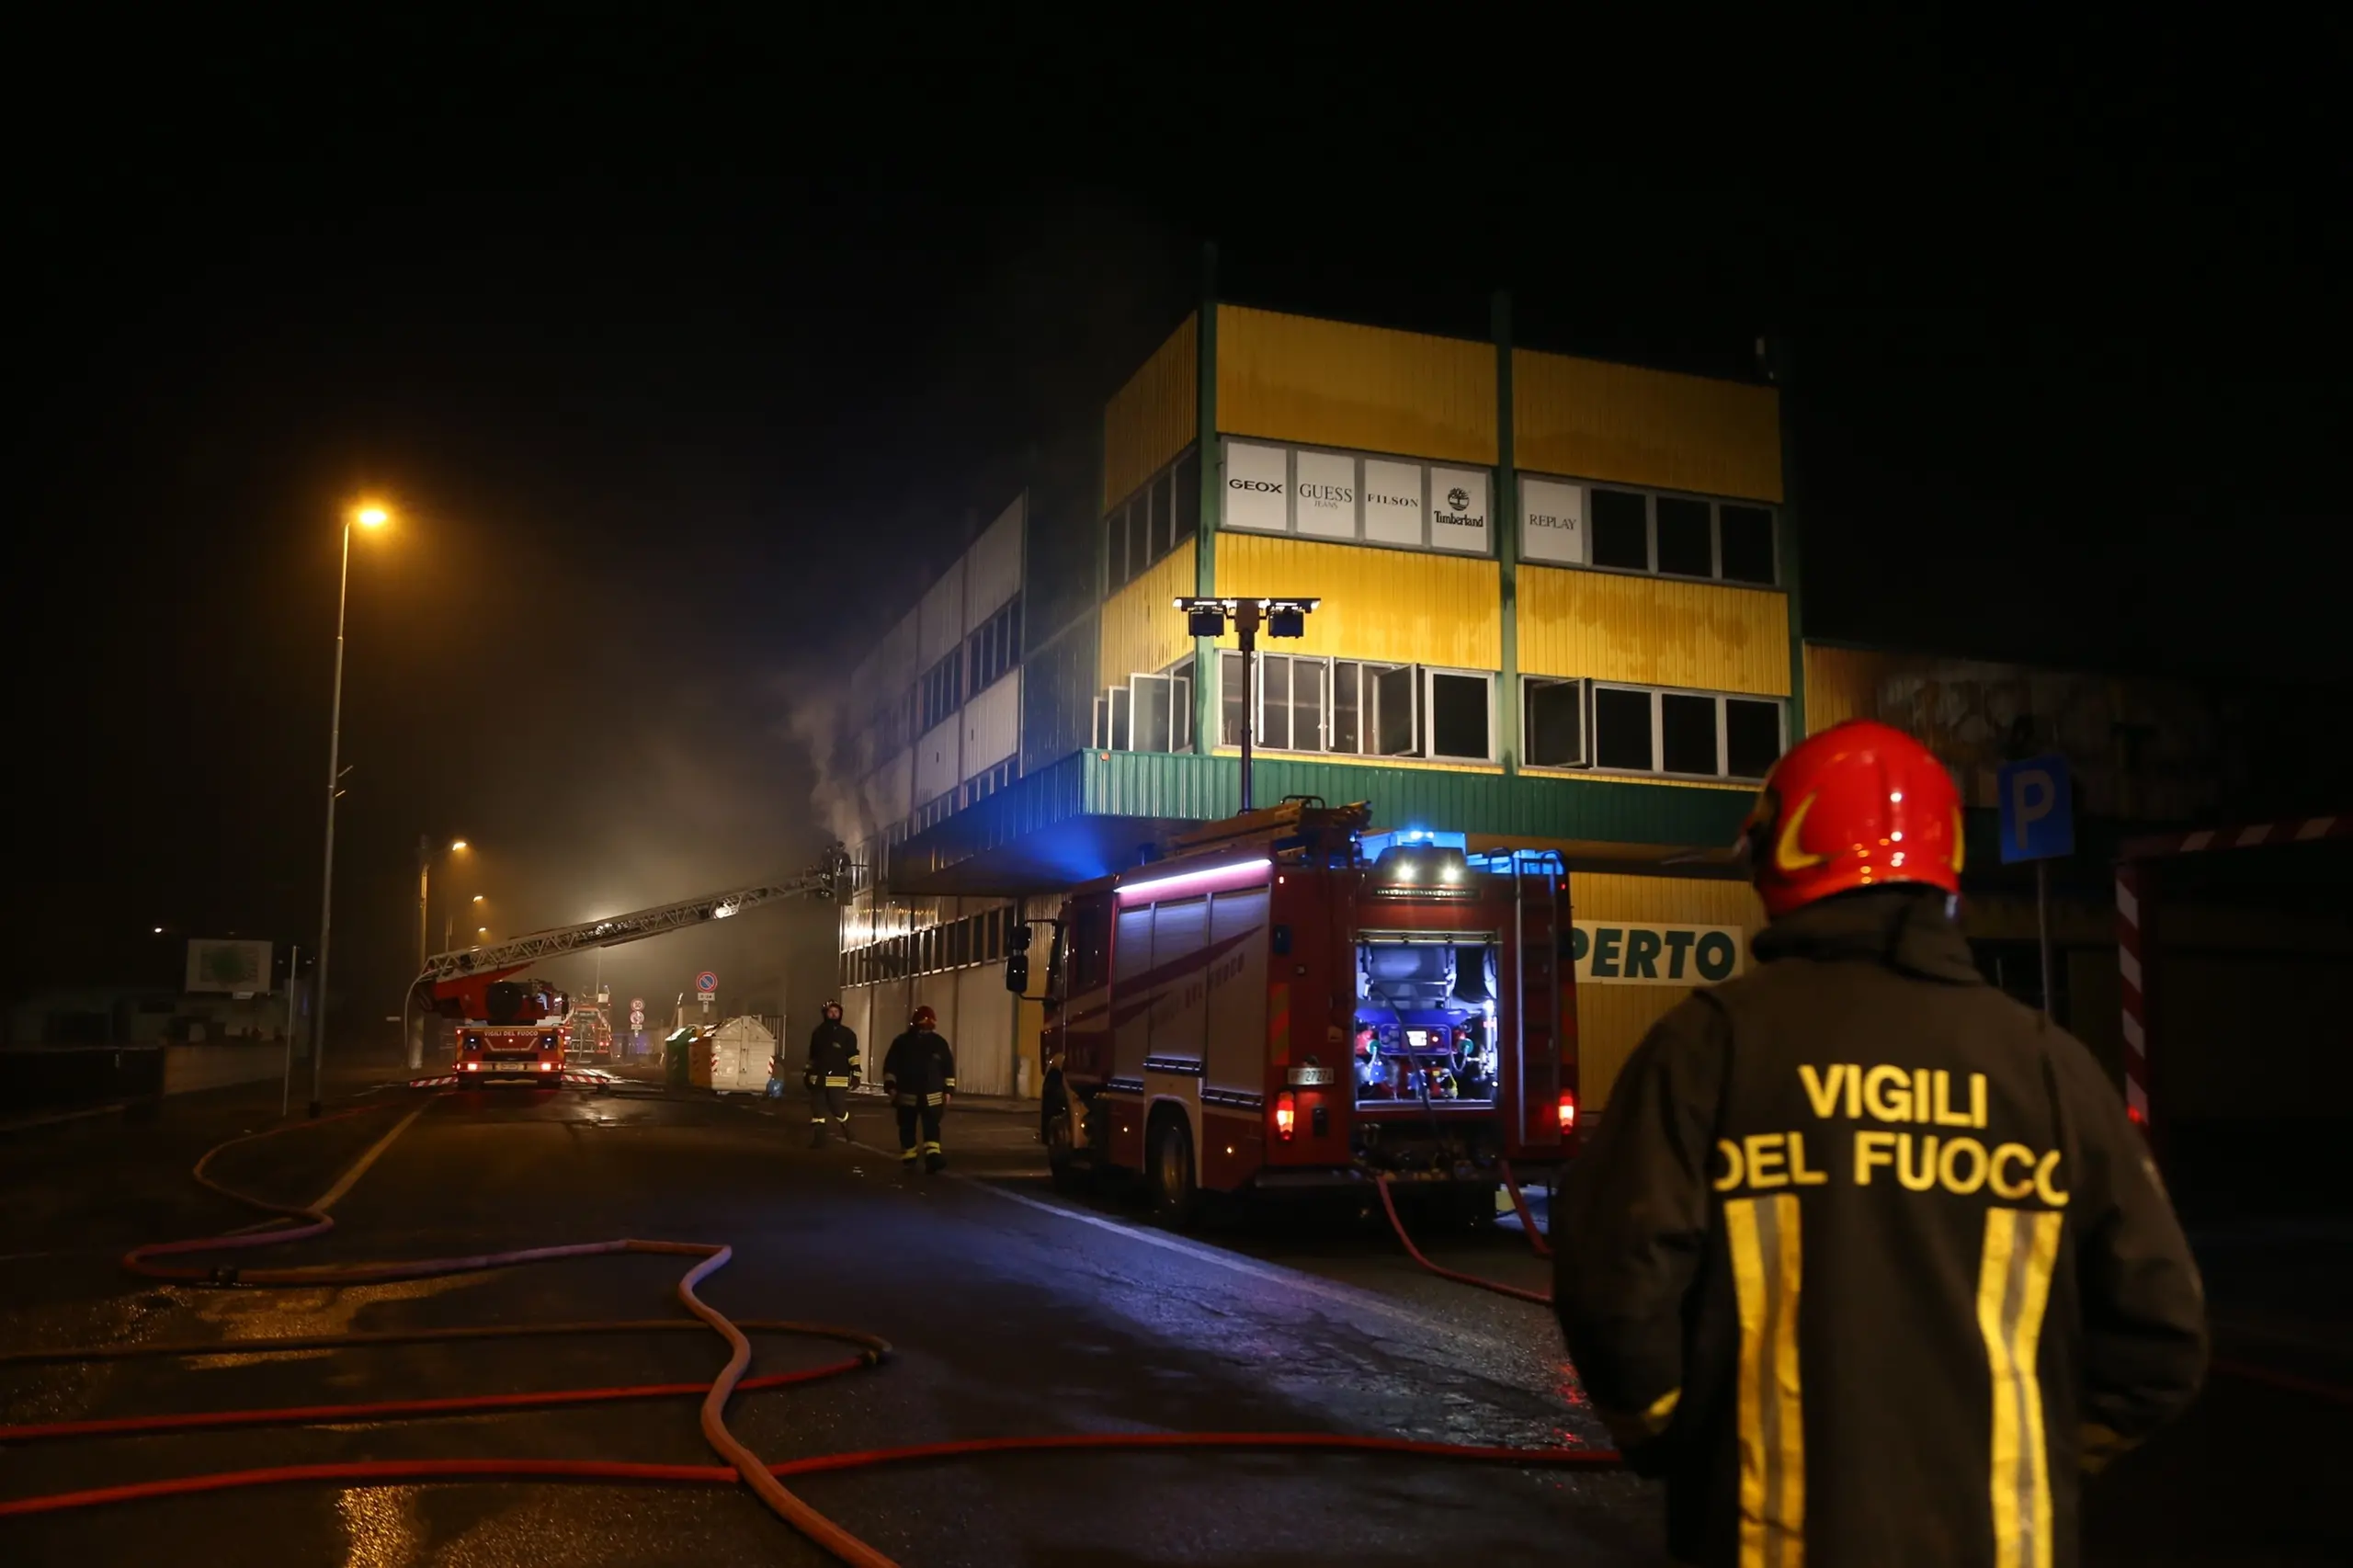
(1012, 1311)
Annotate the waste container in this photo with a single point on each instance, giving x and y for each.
(674, 1058)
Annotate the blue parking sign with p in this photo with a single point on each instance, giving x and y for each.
(2038, 810)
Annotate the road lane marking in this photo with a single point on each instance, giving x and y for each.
(350, 1179)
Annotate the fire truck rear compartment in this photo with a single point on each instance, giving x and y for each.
(1425, 1059)
(1425, 1022)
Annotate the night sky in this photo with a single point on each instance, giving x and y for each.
(686, 356)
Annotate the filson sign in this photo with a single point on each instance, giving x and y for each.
(1343, 495)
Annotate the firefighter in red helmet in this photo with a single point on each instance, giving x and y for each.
(919, 1071)
(1865, 1258)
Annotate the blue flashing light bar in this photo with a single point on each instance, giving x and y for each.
(1374, 844)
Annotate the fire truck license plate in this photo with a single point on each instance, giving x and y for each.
(1305, 1075)
(511, 1066)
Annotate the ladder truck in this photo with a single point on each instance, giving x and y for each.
(506, 1028)
(1287, 1000)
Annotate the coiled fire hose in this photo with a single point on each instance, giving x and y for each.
(296, 1222)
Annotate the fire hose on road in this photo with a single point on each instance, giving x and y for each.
(296, 1222)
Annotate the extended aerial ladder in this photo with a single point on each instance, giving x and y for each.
(456, 983)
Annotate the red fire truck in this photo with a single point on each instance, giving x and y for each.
(1285, 1000)
(505, 1029)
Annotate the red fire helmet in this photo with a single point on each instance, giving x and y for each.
(924, 1018)
(1860, 805)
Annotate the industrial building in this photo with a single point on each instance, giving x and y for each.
(1560, 608)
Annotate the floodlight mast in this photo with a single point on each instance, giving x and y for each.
(1281, 617)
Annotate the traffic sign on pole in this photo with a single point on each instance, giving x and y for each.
(2038, 810)
(2038, 824)
(706, 981)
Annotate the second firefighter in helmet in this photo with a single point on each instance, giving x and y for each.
(831, 1075)
(919, 1072)
(1866, 1258)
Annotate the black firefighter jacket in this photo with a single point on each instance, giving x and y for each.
(833, 1056)
(1866, 1258)
(919, 1069)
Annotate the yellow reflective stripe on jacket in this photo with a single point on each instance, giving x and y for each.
(1767, 1268)
(934, 1100)
(2013, 1285)
(1631, 1427)
(842, 1083)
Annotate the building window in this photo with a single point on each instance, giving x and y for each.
(1627, 529)
(995, 646)
(1621, 729)
(1164, 511)
(942, 689)
(1694, 735)
(1622, 531)
(1460, 710)
(1552, 723)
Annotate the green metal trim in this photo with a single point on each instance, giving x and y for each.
(1787, 538)
(1183, 787)
(1150, 784)
(1505, 517)
(1213, 487)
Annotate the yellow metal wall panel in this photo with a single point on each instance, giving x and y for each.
(1593, 420)
(1335, 384)
(1840, 684)
(1149, 420)
(1397, 605)
(1612, 1019)
(1653, 630)
(1142, 631)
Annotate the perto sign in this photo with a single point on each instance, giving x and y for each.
(1625, 953)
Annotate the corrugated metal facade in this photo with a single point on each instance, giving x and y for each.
(1593, 420)
(1142, 630)
(942, 617)
(1612, 1019)
(1840, 684)
(1653, 630)
(992, 725)
(1151, 418)
(1337, 385)
(1397, 604)
(992, 566)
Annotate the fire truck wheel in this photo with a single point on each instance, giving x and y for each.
(1054, 1130)
(1176, 1197)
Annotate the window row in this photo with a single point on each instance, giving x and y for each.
(1624, 530)
(995, 647)
(1356, 708)
(957, 944)
(1163, 513)
(937, 809)
(980, 786)
(1633, 729)
(942, 690)
(1348, 495)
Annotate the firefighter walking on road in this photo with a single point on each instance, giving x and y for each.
(831, 1075)
(919, 1072)
(1865, 1258)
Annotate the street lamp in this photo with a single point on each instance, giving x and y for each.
(368, 515)
(1281, 618)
